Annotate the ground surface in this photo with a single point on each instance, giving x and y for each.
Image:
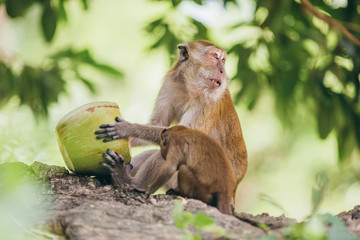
(83, 207)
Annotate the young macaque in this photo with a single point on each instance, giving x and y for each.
(194, 94)
(204, 171)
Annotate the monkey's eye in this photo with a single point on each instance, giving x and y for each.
(223, 60)
(215, 55)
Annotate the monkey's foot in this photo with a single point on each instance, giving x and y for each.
(136, 188)
(172, 191)
(114, 162)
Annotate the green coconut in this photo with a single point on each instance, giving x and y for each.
(80, 149)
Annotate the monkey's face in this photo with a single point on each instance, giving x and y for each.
(203, 68)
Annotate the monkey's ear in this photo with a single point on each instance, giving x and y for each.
(184, 54)
(164, 137)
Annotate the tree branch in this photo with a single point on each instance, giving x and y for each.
(332, 22)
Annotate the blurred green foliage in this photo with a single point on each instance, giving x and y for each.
(316, 226)
(199, 222)
(303, 60)
(40, 86)
(306, 63)
(21, 211)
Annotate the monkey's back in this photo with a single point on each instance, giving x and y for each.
(208, 161)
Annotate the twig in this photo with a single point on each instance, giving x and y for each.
(332, 22)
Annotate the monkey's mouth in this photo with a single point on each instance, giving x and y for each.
(217, 83)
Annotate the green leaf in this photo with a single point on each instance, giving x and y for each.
(202, 32)
(87, 82)
(38, 88)
(61, 11)
(200, 2)
(227, 2)
(178, 214)
(345, 142)
(188, 217)
(6, 83)
(266, 198)
(268, 237)
(326, 116)
(49, 21)
(175, 3)
(334, 221)
(318, 191)
(264, 226)
(201, 220)
(342, 233)
(217, 230)
(85, 4)
(197, 237)
(190, 236)
(325, 123)
(153, 25)
(85, 57)
(16, 8)
(338, 228)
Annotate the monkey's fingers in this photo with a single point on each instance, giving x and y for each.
(110, 138)
(100, 131)
(107, 125)
(101, 136)
(110, 135)
(119, 119)
(108, 159)
(107, 138)
(105, 130)
(106, 165)
(118, 159)
(121, 158)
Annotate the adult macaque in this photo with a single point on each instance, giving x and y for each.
(204, 171)
(194, 94)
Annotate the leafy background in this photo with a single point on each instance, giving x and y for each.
(294, 79)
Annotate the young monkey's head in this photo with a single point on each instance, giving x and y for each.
(166, 136)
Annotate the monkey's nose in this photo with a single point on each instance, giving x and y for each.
(221, 68)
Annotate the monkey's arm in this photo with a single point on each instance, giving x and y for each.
(124, 129)
(163, 113)
(135, 142)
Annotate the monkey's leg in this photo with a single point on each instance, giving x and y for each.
(146, 169)
(151, 159)
(190, 186)
(140, 159)
(224, 200)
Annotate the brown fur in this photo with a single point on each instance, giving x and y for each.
(205, 173)
(215, 117)
(194, 94)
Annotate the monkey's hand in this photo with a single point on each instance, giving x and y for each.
(112, 131)
(114, 162)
